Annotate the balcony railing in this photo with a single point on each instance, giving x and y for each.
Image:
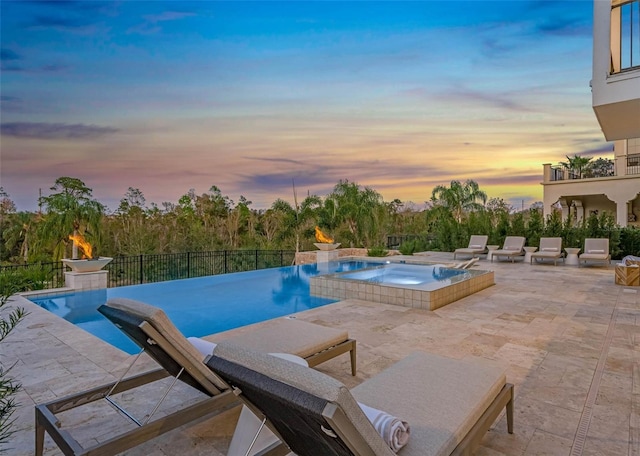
(138, 269)
(625, 35)
(633, 164)
(559, 173)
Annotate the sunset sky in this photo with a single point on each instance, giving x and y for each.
(401, 97)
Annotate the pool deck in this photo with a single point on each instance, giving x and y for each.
(569, 336)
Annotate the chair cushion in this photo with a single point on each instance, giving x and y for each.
(285, 335)
(594, 256)
(441, 398)
(555, 254)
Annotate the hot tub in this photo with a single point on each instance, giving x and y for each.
(410, 285)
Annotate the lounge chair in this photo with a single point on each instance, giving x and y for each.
(449, 404)
(477, 246)
(150, 329)
(595, 250)
(550, 249)
(513, 247)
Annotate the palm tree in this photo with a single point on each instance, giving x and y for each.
(358, 208)
(18, 233)
(71, 210)
(577, 164)
(297, 219)
(459, 198)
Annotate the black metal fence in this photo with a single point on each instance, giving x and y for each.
(396, 240)
(134, 270)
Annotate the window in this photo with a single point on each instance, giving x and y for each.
(625, 35)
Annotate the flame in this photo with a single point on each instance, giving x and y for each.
(85, 247)
(323, 238)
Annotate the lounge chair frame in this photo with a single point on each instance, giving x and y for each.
(174, 363)
(46, 419)
(348, 345)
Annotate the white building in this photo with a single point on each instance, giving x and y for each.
(616, 103)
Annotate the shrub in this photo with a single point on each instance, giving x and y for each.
(414, 245)
(629, 241)
(377, 252)
(9, 318)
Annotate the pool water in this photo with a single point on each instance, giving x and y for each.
(203, 305)
(427, 277)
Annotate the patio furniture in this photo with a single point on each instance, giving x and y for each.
(513, 247)
(449, 404)
(316, 344)
(151, 329)
(627, 275)
(550, 249)
(477, 246)
(595, 249)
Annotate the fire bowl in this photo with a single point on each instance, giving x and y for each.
(324, 246)
(87, 265)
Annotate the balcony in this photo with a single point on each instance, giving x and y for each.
(554, 173)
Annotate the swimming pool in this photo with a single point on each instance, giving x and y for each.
(204, 305)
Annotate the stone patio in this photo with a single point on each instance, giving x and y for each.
(569, 336)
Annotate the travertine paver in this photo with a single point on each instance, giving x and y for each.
(568, 336)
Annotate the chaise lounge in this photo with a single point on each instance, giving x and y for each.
(477, 246)
(595, 250)
(449, 404)
(150, 328)
(513, 247)
(550, 249)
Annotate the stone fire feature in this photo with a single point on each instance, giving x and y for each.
(326, 252)
(86, 274)
(80, 281)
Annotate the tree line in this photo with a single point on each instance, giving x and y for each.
(355, 215)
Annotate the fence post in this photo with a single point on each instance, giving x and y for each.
(256, 259)
(141, 269)
(188, 265)
(225, 261)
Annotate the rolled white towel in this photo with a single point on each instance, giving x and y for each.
(629, 259)
(203, 346)
(394, 431)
